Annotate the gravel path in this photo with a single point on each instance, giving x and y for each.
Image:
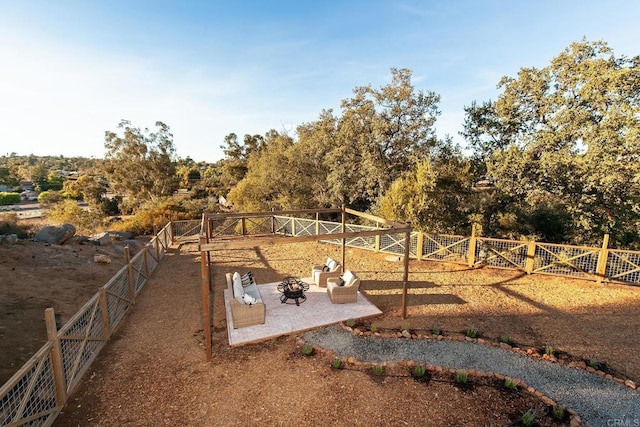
(598, 401)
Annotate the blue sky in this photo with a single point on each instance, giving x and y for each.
(70, 70)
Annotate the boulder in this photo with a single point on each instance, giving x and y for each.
(55, 235)
(103, 259)
(101, 239)
(8, 239)
(121, 235)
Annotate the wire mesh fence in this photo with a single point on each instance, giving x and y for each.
(623, 266)
(499, 253)
(182, 230)
(81, 339)
(533, 257)
(29, 397)
(440, 247)
(32, 396)
(563, 260)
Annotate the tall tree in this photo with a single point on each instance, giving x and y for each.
(571, 133)
(379, 135)
(139, 164)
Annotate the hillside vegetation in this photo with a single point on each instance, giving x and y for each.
(555, 157)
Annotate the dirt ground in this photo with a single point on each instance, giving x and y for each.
(35, 276)
(153, 371)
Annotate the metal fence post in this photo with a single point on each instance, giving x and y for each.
(601, 268)
(56, 355)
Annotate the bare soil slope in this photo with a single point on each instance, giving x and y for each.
(35, 276)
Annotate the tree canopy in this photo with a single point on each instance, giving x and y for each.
(565, 139)
(139, 164)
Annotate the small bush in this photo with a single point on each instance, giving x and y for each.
(549, 350)
(419, 371)
(336, 363)
(378, 370)
(472, 332)
(528, 418)
(505, 339)
(49, 198)
(307, 350)
(435, 330)
(9, 225)
(350, 322)
(373, 328)
(85, 221)
(462, 377)
(510, 383)
(558, 412)
(593, 363)
(9, 198)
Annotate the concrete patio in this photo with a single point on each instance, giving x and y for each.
(283, 319)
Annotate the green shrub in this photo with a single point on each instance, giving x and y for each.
(378, 369)
(462, 377)
(505, 339)
(528, 418)
(510, 383)
(593, 363)
(350, 322)
(373, 328)
(435, 330)
(549, 350)
(558, 412)
(9, 198)
(472, 332)
(68, 211)
(307, 350)
(49, 198)
(153, 215)
(419, 371)
(336, 363)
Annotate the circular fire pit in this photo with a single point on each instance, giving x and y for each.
(293, 290)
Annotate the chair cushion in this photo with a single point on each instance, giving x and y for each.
(332, 265)
(254, 292)
(246, 279)
(237, 286)
(325, 268)
(248, 299)
(348, 277)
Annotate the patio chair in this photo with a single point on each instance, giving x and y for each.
(346, 292)
(321, 273)
(244, 314)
